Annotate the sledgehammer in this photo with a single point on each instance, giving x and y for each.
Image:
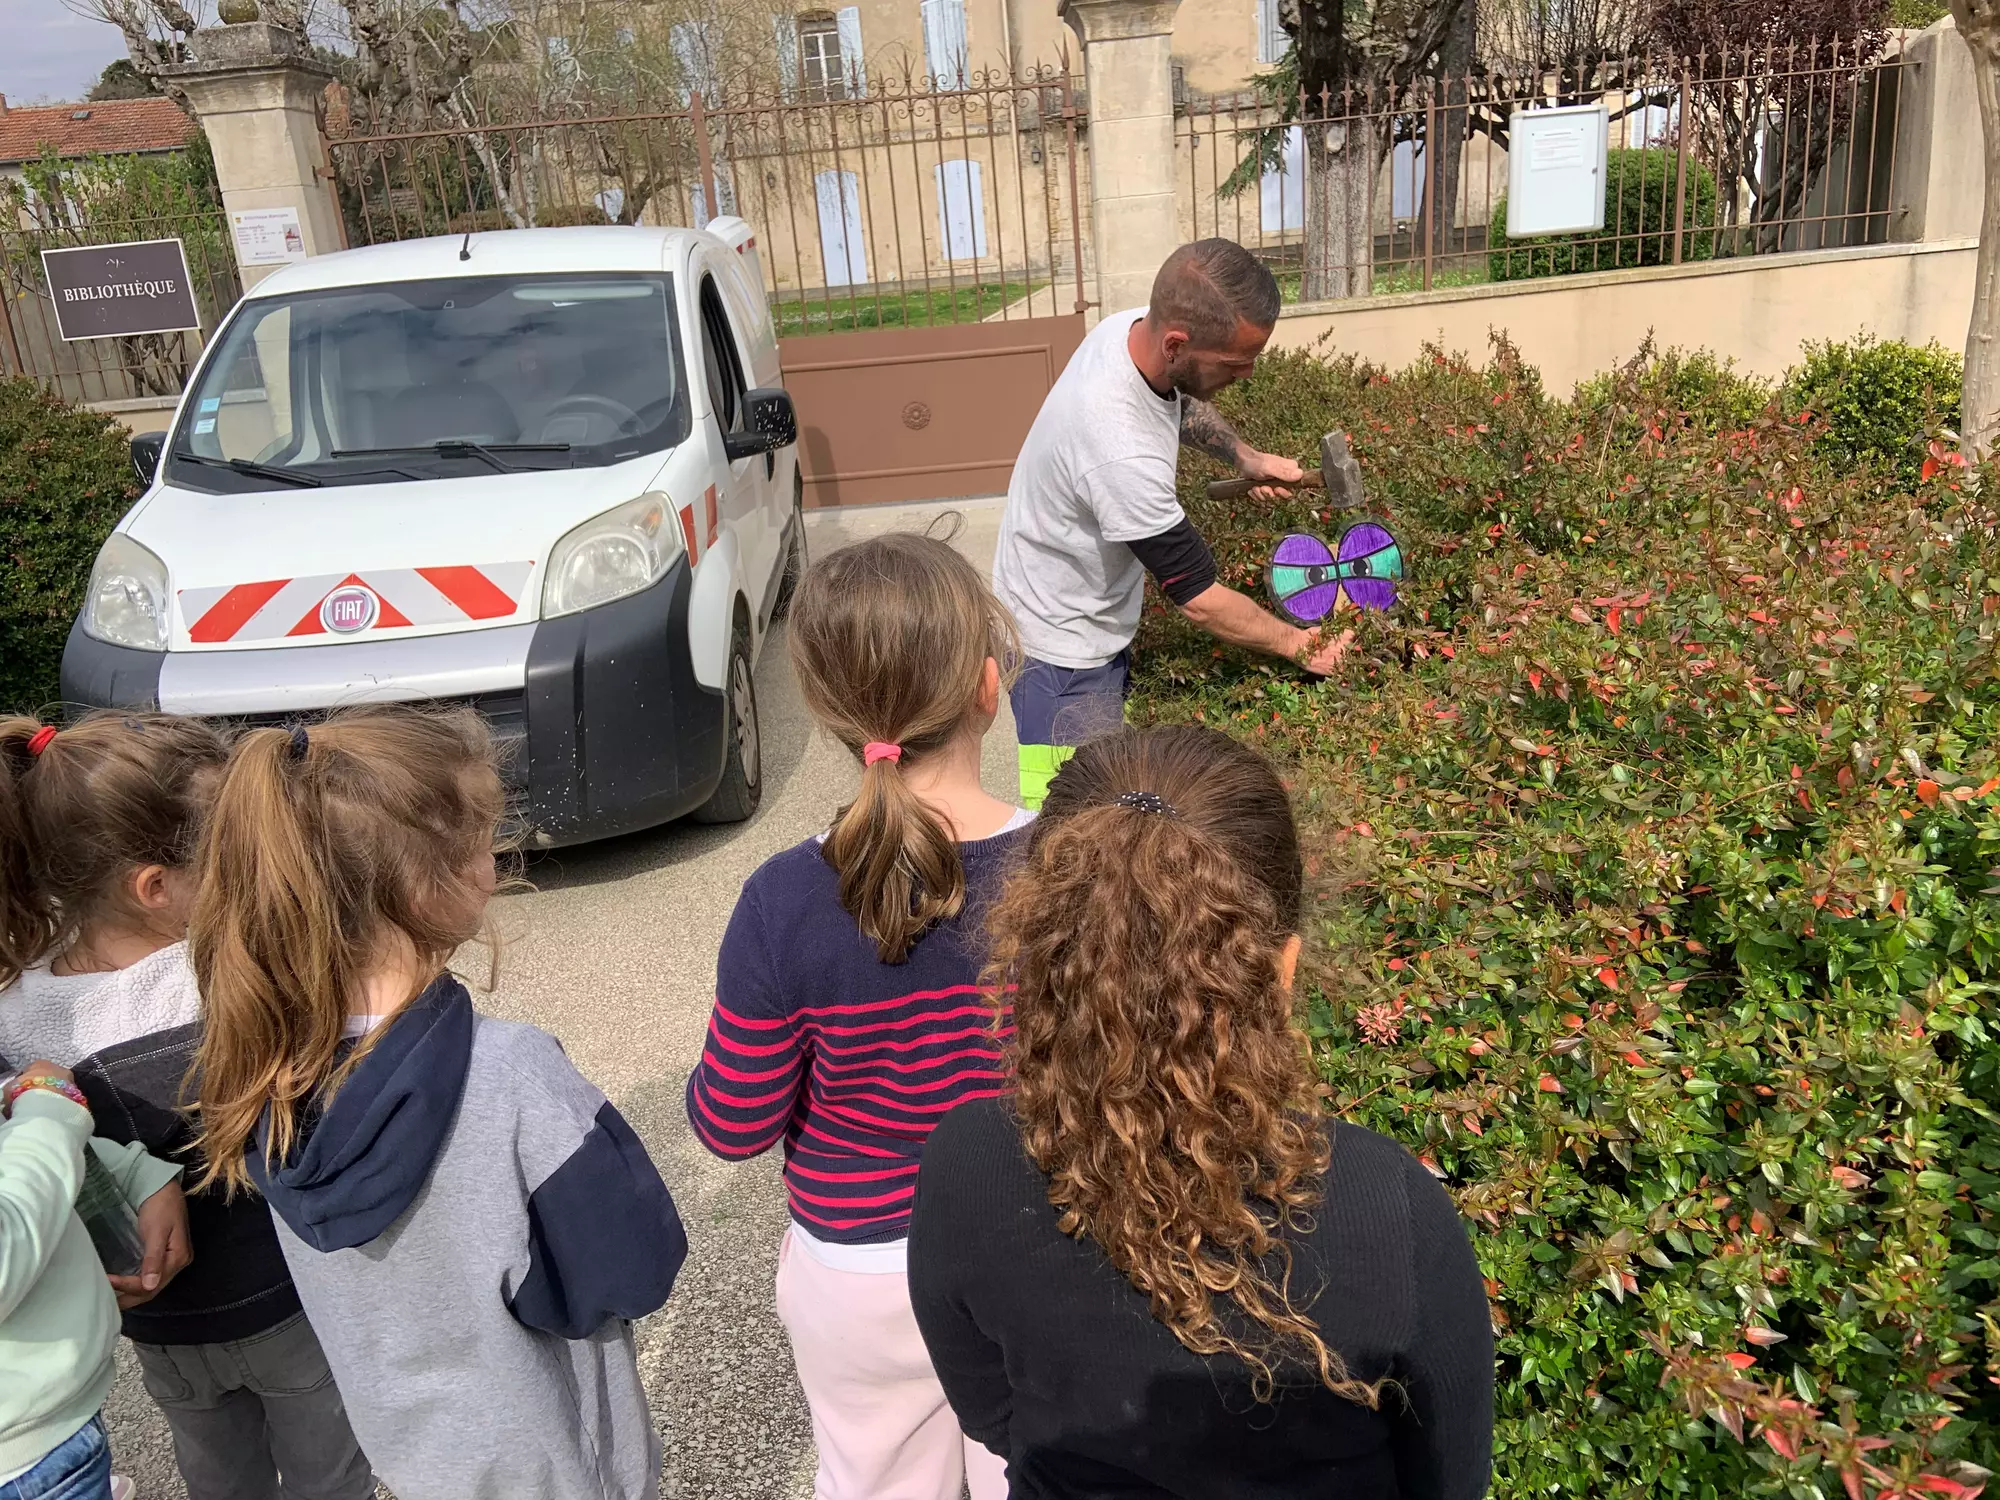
(1338, 474)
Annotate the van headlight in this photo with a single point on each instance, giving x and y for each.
(612, 555)
(126, 604)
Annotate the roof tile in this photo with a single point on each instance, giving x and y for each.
(107, 127)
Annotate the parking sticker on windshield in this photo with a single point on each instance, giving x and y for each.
(206, 424)
(210, 403)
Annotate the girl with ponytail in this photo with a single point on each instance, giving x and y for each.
(847, 1015)
(1157, 1268)
(471, 1224)
(99, 827)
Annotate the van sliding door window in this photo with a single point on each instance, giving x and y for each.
(724, 361)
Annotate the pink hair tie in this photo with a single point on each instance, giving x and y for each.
(39, 740)
(876, 750)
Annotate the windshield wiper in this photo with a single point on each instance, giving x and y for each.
(463, 448)
(250, 467)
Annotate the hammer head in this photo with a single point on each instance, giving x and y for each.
(1340, 473)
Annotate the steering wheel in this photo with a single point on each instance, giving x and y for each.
(624, 420)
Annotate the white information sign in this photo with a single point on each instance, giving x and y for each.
(268, 236)
(1555, 170)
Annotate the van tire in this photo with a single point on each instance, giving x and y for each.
(795, 551)
(742, 785)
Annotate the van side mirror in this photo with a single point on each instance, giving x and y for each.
(146, 450)
(769, 423)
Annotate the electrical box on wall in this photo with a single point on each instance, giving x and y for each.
(1555, 170)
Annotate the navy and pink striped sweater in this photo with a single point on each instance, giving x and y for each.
(848, 1060)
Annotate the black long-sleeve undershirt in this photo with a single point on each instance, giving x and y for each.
(1051, 1358)
(1179, 561)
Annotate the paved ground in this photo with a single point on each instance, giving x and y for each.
(614, 952)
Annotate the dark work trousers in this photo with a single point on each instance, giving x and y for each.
(257, 1418)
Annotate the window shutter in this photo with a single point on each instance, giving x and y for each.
(945, 42)
(1271, 38)
(786, 30)
(961, 209)
(848, 19)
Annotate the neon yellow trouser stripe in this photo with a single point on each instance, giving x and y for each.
(1039, 764)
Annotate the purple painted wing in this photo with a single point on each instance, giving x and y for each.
(1300, 550)
(1371, 562)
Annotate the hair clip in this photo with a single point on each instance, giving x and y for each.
(39, 740)
(296, 748)
(1151, 802)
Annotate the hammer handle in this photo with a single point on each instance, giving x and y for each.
(1232, 489)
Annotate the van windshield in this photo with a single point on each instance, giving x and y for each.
(435, 380)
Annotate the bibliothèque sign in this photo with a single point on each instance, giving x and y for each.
(115, 291)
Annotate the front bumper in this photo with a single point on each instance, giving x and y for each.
(601, 725)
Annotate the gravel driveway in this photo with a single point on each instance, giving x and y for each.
(614, 953)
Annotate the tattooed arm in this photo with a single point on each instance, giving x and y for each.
(1203, 427)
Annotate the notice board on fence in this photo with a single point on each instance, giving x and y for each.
(1555, 170)
(114, 291)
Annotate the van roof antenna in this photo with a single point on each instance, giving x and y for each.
(465, 246)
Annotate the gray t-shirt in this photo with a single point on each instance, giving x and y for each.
(1096, 472)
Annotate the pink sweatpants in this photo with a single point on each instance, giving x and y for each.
(879, 1415)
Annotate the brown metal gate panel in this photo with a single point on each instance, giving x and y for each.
(920, 413)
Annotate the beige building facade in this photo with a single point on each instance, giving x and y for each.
(1215, 44)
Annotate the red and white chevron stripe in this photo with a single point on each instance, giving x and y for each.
(282, 607)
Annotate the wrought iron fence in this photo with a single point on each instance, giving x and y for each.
(887, 204)
(1366, 192)
(107, 369)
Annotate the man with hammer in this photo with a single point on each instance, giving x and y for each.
(1091, 507)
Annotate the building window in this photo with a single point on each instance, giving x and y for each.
(821, 73)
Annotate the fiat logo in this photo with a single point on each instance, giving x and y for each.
(349, 608)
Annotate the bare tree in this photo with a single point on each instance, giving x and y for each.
(156, 33)
(1780, 93)
(1355, 68)
(1577, 37)
(1979, 409)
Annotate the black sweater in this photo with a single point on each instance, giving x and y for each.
(1053, 1360)
(238, 1284)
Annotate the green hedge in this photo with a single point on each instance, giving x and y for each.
(1657, 833)
(65, 479)
(1640, 190)
(1879, 402)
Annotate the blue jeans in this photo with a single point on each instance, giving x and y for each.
(78, 1468)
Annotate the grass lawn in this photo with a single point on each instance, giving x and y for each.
(832, 311)
(1401, 276)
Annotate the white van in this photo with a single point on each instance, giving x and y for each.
(548, 473)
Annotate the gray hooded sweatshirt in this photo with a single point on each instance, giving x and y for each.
(471, 1227)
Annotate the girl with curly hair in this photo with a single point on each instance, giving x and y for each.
(1156, 1269)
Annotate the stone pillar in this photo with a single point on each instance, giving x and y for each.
(256, 90)
(1940, 169)
(1128, 70)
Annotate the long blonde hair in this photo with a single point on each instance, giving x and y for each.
(324, 845)
(890, 638)
(1159, 1080)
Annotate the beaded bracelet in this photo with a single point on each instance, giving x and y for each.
(49, 1081)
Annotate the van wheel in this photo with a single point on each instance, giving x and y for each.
(743, 763)
(795, 551)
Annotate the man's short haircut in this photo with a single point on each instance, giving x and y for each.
(1208, 286)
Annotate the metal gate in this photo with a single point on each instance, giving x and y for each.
(921, 246)
(921, 413)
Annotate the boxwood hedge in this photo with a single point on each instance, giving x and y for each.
(1656, 832)
(65, 479)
